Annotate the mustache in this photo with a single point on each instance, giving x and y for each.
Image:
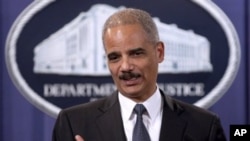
(128, 75)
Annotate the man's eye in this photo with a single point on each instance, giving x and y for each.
(137, 53)
(113, 57)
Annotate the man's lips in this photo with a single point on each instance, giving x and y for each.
(129, 76)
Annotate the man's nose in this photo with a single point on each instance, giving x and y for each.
(126, 64)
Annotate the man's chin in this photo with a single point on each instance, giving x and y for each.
(131, 92)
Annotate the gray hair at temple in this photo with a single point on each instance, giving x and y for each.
(133, 16)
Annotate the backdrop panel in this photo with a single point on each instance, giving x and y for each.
(20, 120)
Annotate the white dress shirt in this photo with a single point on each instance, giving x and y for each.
(152, 120)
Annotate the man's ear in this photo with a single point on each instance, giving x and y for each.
(160, 51)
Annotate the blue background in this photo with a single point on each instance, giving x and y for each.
(21, 121)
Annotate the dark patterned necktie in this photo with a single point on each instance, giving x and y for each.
(140, 132)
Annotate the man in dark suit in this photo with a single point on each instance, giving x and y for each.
(134, 51)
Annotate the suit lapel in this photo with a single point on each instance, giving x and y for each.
(173, 127)
(110, 121)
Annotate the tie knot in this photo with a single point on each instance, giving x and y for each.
(139, 109)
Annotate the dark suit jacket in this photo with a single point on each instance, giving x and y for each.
(101, 121)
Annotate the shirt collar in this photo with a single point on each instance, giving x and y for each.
(153, 105)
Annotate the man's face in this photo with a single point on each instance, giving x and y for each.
(133, 60)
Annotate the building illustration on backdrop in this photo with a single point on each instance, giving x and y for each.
(76, 48)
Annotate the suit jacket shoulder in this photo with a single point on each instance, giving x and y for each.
(95, 121)
(191, 123)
